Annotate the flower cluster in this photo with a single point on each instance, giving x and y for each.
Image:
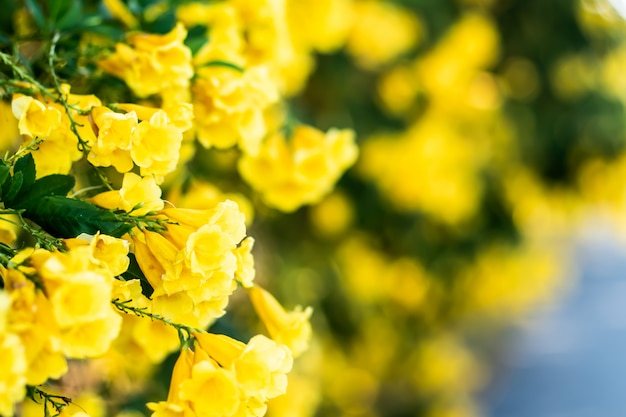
(94, 263)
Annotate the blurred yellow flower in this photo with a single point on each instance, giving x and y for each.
(229, 105)
(153, 63)
(12, 361)
(381, 31)
(289, 173)
(289, 328)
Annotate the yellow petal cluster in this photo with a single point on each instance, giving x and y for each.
(224, 378)
(79, 291)
(48, 122)
(192, 266)
(151, 63)
(289, 173)
(229, 104)
(149, 140)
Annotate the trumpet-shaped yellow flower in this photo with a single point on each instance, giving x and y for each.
(112, 146)
(260, 366)
(12, 360)
(292, 329)
(35, 118)
(156, 145)
(289, 174)
(211, 391)
(31, 318)
(194, 263)
(153, 63)
(79, 290)
(229, 105)
(138, 196)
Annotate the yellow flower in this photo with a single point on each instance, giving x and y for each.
(12, 362)
(381, 32)
(8, 228)
(154, 63)
(179, 113)
(79, 290)
(211, 391)
(48, 120)
(260, 366)
(292, 329)
(35, 118)
(226, 39)
(229, 105)
(12, 377)
(203, 195)
(31, 318)
(93, 338)
(113, 144)
(119, 10)
(193, 263)
(303, 171)
(108, 252)
(156, 145)
(138, 196)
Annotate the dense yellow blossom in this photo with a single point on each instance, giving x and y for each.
(60, 136)
(289, 173)
(79, 291)
(193, 263)
(152, 63)
(229, 104)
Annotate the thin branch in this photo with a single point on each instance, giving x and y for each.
(83, 146)
(125, 307)
(55, 402)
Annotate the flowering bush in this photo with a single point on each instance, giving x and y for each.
(109, 103)
(172, 173)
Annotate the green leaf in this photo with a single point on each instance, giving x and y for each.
(14, 188)
(226, 64)
(197, 37)
(26, 165)
(55, 184)
(35, 11)
(66, 217)
(134, 272)
(72, 15)
(4, 174)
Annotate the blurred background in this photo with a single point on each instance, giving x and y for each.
(470, 263)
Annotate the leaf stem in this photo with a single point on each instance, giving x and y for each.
(184, 332)
(56, 402)
(83, 146)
